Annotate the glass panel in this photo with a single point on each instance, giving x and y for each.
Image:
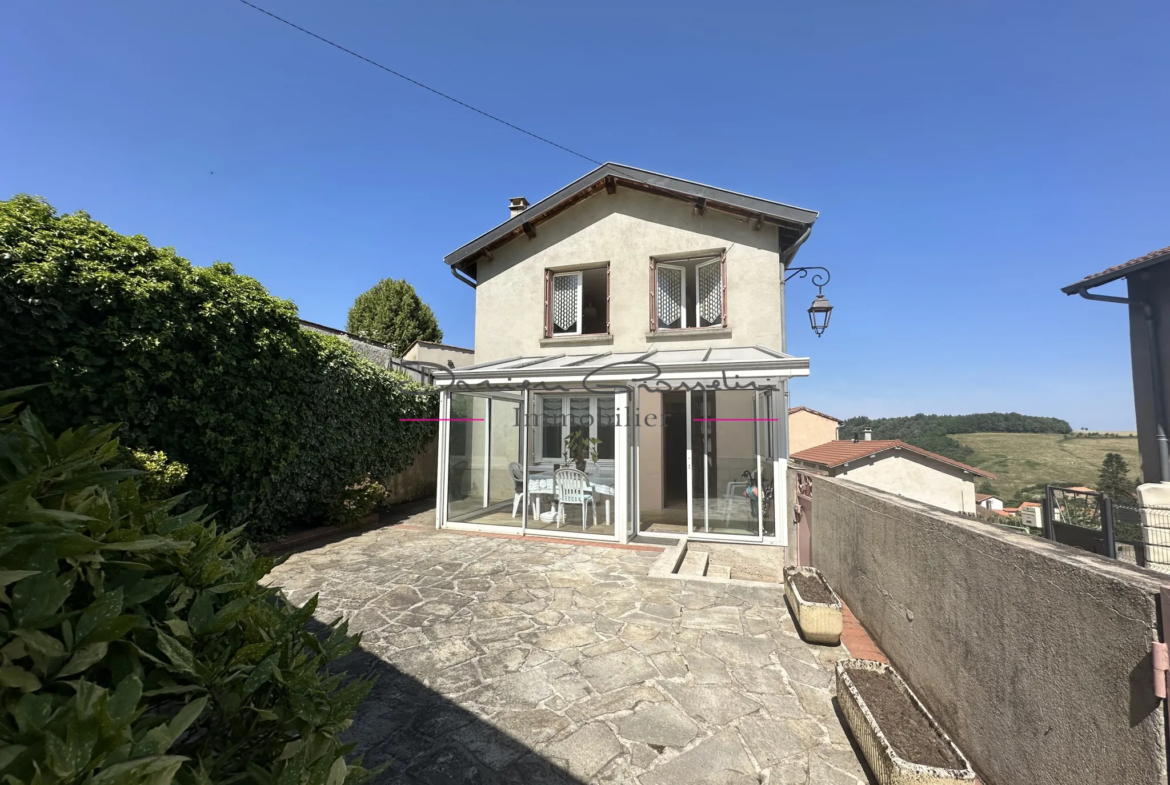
(766, 440)
(550, 427)
(483, 469)
(732, 506)
(566, 306)
(563, 498)
(605, 427)
(701, 448)
(580, 421)
(710, 293)
(670, 297)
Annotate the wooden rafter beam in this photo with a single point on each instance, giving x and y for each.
(529, 230)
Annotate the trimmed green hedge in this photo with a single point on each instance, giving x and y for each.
(137, 646)
(274, 423)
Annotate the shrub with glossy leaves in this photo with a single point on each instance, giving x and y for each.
(272, 422)
(137, 646)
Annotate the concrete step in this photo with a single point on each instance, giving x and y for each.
(719, 571)
(694, 563)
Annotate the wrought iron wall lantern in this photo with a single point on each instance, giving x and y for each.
(821, 309)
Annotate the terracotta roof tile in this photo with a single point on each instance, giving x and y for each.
(796, 409)
(1117, 271)
(836, 453)
(1029, 504)
(982, 497)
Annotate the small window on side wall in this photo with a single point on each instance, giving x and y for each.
(576, 302)
(688, 292)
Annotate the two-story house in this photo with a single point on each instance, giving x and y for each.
(636, 321)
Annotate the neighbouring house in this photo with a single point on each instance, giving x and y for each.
(988, 502)
(429, 354)
(638, 319)
(808, 428)
(897, 467)
(1147, 301)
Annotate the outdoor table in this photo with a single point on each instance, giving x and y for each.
(544, 485)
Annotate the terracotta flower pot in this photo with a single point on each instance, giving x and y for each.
(888, 767)
(820, 622)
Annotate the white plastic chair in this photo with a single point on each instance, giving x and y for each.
(517, 473)
(573, 488)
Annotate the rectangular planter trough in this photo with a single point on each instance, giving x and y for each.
(886, 764)
(820, 622)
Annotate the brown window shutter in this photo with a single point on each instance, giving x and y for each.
(653, 296)
(548, 276)
(607, 310)
(723, 292)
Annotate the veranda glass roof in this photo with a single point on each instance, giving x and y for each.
(739, 362)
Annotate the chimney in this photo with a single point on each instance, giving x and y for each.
(517, 205)
(867, 434)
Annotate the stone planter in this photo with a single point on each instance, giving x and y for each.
(820, 622)
(887, 766)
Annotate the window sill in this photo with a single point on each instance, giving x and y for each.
(689, 333)
(595, 339)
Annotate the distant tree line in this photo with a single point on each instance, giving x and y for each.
(932, 431)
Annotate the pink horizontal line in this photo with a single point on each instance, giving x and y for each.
(440, 419)
(735, 419)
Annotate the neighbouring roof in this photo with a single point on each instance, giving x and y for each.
(1029, 504)
(1010, 510)
(982, 497)
(1119, 271)
(792, 221)
(1082, 489)
(796, 409)
(833, 454)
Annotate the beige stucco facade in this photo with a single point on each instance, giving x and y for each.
(625, 230)
(809, 429)
(913, 476)
(439, 354)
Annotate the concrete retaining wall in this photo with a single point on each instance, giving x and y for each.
(1035, 657)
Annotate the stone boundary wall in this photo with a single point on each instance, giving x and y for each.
(1034, 657)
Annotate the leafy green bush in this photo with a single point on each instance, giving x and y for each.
(358, 501)
(272, 422)
(136, 645)
(160, 477)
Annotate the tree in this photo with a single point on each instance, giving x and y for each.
(986, 487)
(392, 312)
(1114, 480)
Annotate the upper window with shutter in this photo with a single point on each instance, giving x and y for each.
(576, 302)
(688, 292)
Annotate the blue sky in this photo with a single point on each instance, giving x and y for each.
(968, 159)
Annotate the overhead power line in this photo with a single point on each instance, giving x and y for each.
(418, 83)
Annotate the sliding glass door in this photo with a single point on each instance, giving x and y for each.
(730, 458)
(484, 466)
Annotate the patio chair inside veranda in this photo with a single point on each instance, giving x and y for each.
(573, 487)
(517, 473)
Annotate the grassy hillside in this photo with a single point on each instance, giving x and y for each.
(1020, 460)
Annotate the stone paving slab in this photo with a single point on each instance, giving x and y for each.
(511, 661)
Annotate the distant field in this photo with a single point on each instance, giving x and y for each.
(1022, 459)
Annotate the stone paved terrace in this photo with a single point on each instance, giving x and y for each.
(503, 660)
